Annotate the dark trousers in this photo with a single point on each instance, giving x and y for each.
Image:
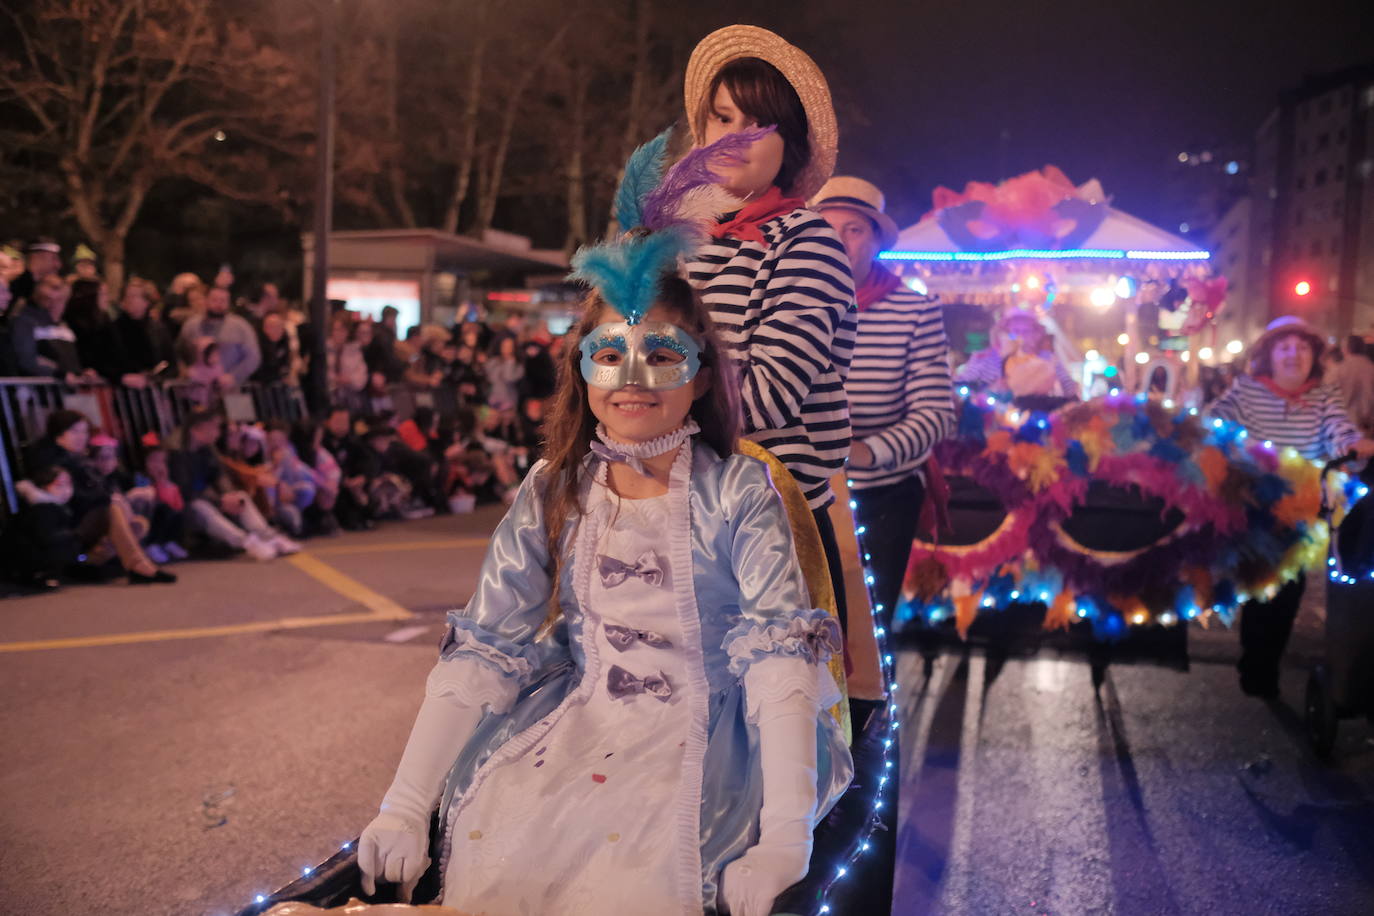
(888, 517)
(1264, 630)
(832, 559)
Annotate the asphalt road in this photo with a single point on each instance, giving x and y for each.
(142, 772)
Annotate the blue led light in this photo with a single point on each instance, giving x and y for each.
(1045, 254)
(259, 899)
(853, 504)
(346, 845)
(305, 872)
(860, 530)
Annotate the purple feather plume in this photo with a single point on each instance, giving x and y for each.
(692, 171)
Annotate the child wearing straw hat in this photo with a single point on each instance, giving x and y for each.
(773, 273)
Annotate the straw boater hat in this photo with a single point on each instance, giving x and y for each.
(1282, 327)
(734, 42)
(846, 193)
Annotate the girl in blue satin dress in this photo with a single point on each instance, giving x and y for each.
(630, 715)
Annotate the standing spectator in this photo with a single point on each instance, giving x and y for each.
(1354, 375)
(275, 346)
(428, 368)
(540, 372)
(87, 314)
(1285, 402)
(8, 261)
(206, 379)
(140, 346)
(43, 343)
(216, 507)
(381, 352)
(504, 372)
(185, 297)
(42, 259)
(84, 266)
(266, 301)
(467, 377)
(96, 515)
(238, 342)
(347, 368)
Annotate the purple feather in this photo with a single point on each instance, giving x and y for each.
(695, 170)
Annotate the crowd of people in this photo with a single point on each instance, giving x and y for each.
(91, 506)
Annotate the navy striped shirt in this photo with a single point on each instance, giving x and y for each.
(1318, 427)
(785, 310)
(900, 398)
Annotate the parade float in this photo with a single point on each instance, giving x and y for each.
(1124, 298)
(1125, 513)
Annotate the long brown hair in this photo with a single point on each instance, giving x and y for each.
(571, 425)
(762, 93)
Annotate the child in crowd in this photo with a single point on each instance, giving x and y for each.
(157, 496)
(292, 490)
(325, 474)
(217, 507)
(206, 378)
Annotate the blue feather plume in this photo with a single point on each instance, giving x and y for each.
(643, 172)
(692, 171)
(627, 273)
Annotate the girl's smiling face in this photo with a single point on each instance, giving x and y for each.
(636, 414)
(759, 169)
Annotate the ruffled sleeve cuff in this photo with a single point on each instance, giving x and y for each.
(465, 638)
(812, 636)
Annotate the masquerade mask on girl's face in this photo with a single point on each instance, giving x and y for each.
(654, 355)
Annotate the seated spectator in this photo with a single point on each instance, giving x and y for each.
(156, 496)
(216, 506)
(238, 342)
(293, 484)
(338, 438)
(324, 514)
(275, 346)
(43, 343)
(389, 492)
(41, 546)
(96, 516)
(139, 345)
(420, 431)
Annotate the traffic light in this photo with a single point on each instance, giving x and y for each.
(1302, 288)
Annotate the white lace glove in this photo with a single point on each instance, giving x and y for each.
(787, 751)
(395, 846)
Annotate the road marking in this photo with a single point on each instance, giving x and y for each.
(236, 629)
(446, 544)
(379, 607)
(382, 607)
(406, 634)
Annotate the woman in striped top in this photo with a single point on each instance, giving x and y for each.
(1284, 402)
(773, 273)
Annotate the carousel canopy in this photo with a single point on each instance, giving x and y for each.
(1039, 215)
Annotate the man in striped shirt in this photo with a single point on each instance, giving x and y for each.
(900, 399)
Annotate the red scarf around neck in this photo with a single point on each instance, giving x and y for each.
(744, 225)
(1297, 397)
(879, 282)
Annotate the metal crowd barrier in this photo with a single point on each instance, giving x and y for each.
(128, 414)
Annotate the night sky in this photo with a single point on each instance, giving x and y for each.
(1107, 90)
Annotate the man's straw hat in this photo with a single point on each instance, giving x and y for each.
(739, 41)
(861, 196)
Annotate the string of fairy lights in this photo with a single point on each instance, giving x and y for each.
(864, 842)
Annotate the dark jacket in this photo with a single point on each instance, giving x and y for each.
(88, 489)
(198, 473)
(43, 347)
(276, 359)
(138, 345)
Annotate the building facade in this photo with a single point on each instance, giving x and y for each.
(1312, 203)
